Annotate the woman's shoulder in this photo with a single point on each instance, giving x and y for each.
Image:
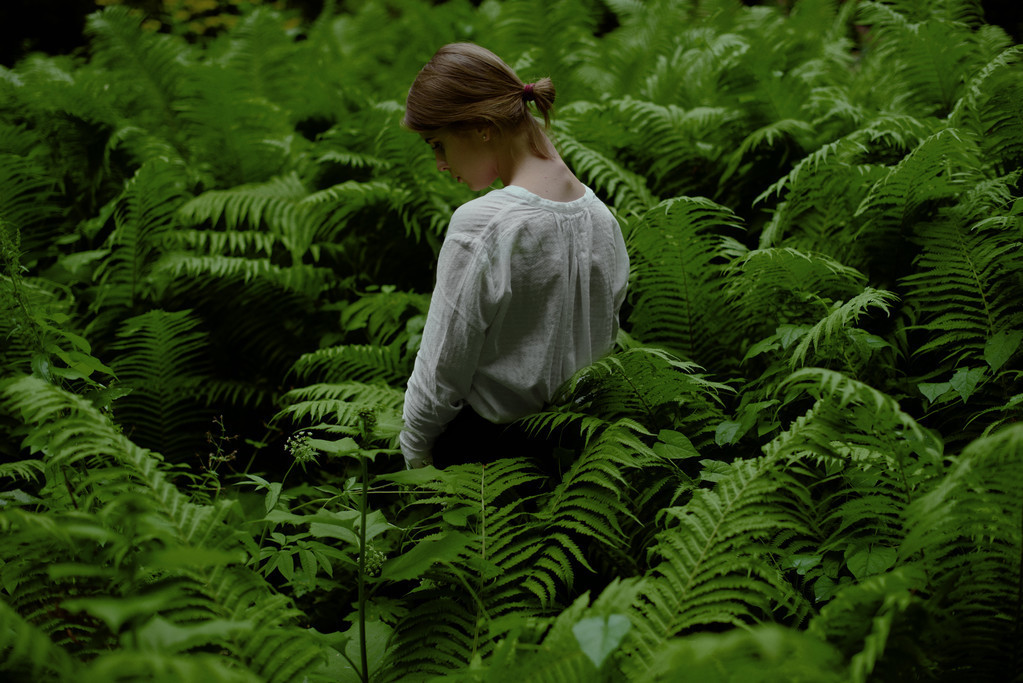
(476, 214)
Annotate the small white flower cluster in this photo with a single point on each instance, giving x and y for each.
(298, 446)
(374, 559)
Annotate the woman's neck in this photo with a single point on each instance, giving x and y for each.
(548, 178)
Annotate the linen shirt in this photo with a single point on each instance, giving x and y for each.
(528, 291)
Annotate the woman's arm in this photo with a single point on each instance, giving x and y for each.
(450, 350)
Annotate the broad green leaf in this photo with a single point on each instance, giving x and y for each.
(412, 477)
(598, 637)
(1000, 348)
(458, 516)
(114, 612)
(160, 635)
(424, 554)
(966, 380)
(867, 559)
(727, 432)
(345, 446)
(803, 563)
(191, 557)
(933, 390)
(273, 494)
(674, 445)
(714, 470)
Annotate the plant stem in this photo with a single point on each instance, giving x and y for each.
(363, 505)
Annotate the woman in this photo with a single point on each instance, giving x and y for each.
(530, 277)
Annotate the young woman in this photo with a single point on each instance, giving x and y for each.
(530, 277)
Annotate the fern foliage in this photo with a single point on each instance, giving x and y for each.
(799, 462)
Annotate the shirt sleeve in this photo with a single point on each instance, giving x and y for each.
(450, 349)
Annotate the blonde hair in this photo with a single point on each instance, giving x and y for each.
(466, 86)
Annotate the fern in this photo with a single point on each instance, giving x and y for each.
(27, 201)
(839, 321)
(715, 559)
(28, 652)
(870, 461)
(876, 624)
(462, 598)
(177, 559)
(627, 190)
(364, 363)
(931, 57)
(967, 257)
(143, 215)
(154, 66)
(772, 287)
(159, 357)
(967, 534)
(678, 288)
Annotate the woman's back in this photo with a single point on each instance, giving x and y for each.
(542, 280)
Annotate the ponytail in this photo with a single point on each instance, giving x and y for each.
(466, 86)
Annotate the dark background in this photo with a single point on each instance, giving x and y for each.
(55, 26)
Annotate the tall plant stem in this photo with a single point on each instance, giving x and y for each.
(363, 506)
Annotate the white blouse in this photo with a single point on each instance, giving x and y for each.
(528, 291)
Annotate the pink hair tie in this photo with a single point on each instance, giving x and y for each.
(527, 92)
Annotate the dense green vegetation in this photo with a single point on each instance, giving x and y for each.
(803, 461)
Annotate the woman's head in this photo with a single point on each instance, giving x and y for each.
(465, 87)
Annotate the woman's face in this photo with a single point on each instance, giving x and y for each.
(469, 155)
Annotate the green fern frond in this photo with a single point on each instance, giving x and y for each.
(153, 67)
(365, 363)
(27, 202)
(505, 567)
(387, 316)
(160, 357)
(649, 387)
(675, 146)
(627, 190)
(715, 566)
(767, 652)
(968, 257)
(302, 279)
(772, 286)
(933, 174)
(590, 500)
(340, 405)
(877, 625)
(967, 534)
(273, 205)
(27, 653)
(991, 107)
(188, 551)
(869, 459)
(678, 285)
(228, 243)
(331, 208)
(143, 215)
(930, 58)
(968, 12)
(839, 321)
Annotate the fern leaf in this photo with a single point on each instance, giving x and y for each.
(29, 652)
(715, 568)
(842, 316)
(967, 534)
(678, 284)
(160, 359)
(143, 216)
(627, 190)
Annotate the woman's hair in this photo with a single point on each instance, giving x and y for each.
(465, 86)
